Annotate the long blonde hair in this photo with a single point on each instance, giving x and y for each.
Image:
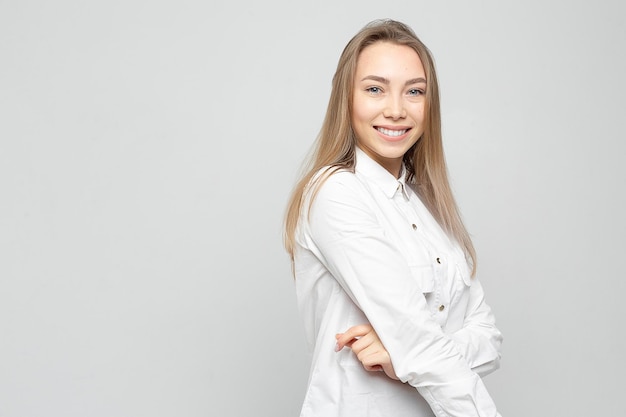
(424, 161)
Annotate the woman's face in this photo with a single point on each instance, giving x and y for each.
(388, 102)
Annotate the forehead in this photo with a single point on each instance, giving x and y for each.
(389, 59)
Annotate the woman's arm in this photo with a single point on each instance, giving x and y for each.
(478, 341)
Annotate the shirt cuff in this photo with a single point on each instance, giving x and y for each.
(463, 398)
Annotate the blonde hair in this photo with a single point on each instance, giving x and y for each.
(424, 161)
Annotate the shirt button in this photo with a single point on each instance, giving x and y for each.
(438, 260)
(442, 307)
(414, 226)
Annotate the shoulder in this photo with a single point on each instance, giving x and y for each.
(335, 183)
(339, 196)
(337, 205)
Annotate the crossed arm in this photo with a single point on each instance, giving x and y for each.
(478, 340)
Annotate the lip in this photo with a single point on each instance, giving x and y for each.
(394, 128)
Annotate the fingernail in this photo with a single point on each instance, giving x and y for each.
(337, 347)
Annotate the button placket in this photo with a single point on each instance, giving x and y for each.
(434, 298)
(437, 268)
(444, 301)
(438, 303)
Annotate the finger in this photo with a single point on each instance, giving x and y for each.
(349, 342)
(373, 358)
(353, 332)
(344, 342)
(356, 331)
(369, 356)
(364, 342)
(375, 368)
(374, 362)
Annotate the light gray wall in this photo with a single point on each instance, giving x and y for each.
(147, 149)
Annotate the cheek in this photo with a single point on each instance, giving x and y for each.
(418, 111)
(357, 117)
(362, 112)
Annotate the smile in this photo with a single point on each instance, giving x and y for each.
(392, 133)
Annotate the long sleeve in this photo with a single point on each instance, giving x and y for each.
(479, 340)
(357, 250)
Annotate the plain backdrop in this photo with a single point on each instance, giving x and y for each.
(148, 148)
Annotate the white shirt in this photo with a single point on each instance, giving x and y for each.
(370, 251)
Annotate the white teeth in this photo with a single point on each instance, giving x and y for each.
(391, 132)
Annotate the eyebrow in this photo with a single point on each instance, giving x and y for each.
(386, 81)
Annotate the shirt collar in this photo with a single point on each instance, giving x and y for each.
(380, 176)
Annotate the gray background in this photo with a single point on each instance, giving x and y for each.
(147, 149)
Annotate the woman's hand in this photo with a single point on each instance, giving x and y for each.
(368, 348)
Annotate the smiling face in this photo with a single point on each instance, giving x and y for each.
(388, 103)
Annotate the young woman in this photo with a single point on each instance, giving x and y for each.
(384, 268)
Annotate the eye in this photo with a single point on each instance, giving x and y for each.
(415, 92)
(374, 90)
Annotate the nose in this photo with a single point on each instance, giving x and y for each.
(394, 108)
